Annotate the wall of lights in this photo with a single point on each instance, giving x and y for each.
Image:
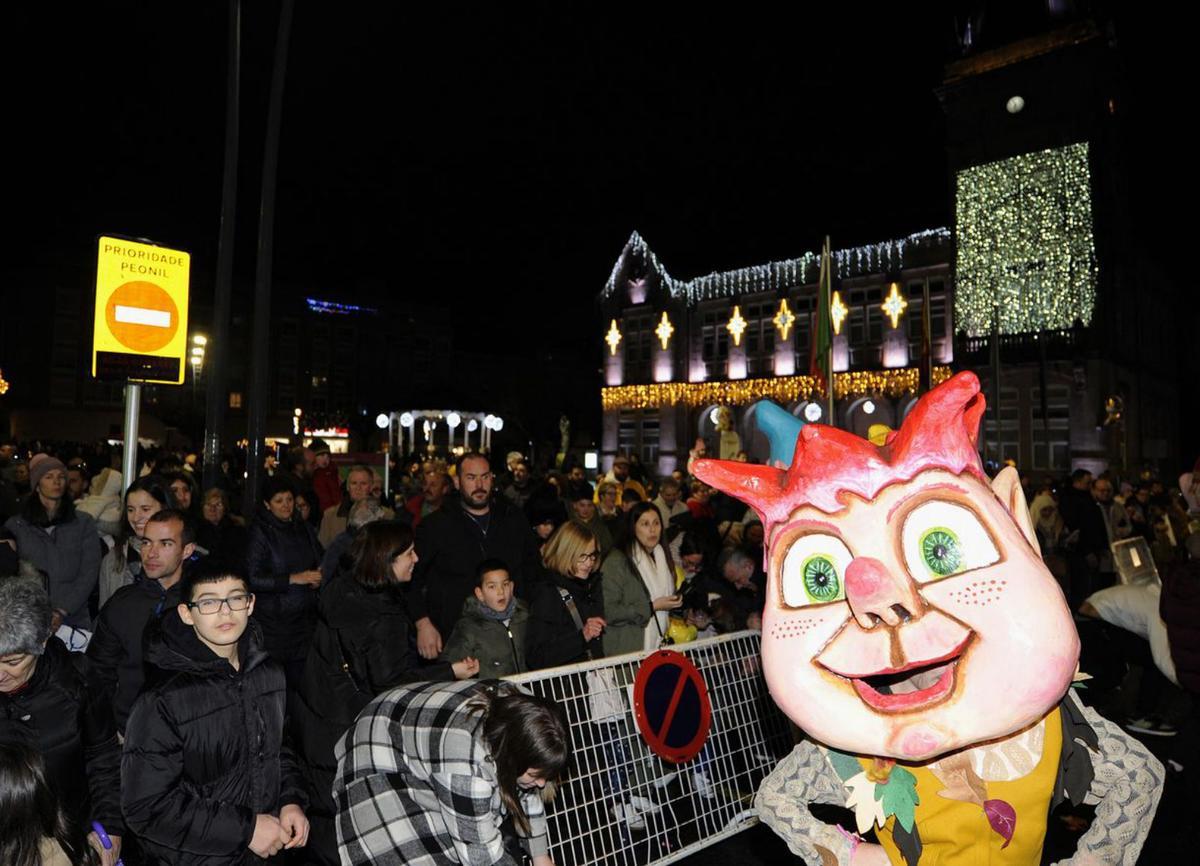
(1025, 249)
(781, 389)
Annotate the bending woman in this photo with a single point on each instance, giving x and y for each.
(445, 763)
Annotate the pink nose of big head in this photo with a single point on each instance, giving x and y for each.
(876, 594)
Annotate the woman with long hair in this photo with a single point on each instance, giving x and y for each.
(33, 830)
(121, 566)
(639, 585)
(447, 763)
(363, 645)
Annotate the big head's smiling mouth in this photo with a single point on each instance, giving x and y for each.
(913, 686)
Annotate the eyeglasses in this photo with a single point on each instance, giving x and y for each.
(210, 606)
(588, 557)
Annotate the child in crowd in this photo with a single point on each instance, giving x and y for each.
(205, 773)
(493, 624)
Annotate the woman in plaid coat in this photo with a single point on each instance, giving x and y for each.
(428, 772)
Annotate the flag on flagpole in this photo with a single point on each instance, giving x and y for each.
(820, 360)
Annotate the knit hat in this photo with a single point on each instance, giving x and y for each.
(319, 446)
(40, 465)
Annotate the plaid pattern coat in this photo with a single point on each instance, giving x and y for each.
(416, 785)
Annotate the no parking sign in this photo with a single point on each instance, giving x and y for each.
(671, 705)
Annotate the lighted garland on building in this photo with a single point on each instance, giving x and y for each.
(774, 276)
(1024, 240)
(781, 389)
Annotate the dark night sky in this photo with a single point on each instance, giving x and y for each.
(497, 156)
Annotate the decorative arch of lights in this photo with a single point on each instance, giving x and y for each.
(452, 430)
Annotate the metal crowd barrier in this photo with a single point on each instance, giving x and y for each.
(621, 805)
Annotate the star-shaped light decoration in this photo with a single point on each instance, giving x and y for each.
(837, 312)
(894, 305)
(3, 384)
(664, 330)
(613, 337)
(736, 326)
(784, 319)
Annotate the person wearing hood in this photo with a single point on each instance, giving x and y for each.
(493, 624)
(45, 705)
(283, 559)
(363, 645)
(206, 775)
(103, 502)
(115, 650)
(122, 565)
(58, 541)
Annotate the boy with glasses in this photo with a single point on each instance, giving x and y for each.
(205, 773)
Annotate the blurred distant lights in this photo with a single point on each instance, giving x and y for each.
(472, 426)
(869, 407)
(812, 412)
(453, 419)
(407, 419)
(493, 422)
(1015, 104)
(381, 421)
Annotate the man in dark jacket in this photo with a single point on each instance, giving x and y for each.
(46, 706)
(452, 543)
(115, 651)
(205, 769)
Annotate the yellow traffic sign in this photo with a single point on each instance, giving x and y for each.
(141, 314)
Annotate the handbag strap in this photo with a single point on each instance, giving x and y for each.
(573, 610)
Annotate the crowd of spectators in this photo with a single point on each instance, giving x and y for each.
(462, 571)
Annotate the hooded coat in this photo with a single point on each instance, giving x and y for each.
(104, 503)
(499, 648)
(72, 728)
(204, 749)
(275, 550)
(67, 551)
(115, 651)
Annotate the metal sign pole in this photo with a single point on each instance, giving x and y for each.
(133, 405)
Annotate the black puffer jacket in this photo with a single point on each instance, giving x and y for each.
(115, 650)
(225, 542)
(286, 611)
(364, 644)
(450, 545)
(57, 716)
(553, 637)
(204, 749)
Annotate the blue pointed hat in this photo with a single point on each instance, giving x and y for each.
(782, 428)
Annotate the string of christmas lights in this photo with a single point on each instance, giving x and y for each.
(773, 276)
(782, 389)
(1026, 254)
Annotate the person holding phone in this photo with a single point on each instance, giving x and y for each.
(639, 585)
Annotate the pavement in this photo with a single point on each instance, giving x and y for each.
(1112, 693)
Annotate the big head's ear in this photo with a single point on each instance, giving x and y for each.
(1007, 487)
(185, 613)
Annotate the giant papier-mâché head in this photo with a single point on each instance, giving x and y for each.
(908, 611)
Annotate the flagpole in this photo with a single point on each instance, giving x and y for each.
(827, 289)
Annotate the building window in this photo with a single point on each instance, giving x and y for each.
(714, 342)
(1002, 436)
(759, 338)
(235, 399)
(802, 330)
(1051, 431)
(639, 342)
(638, 433)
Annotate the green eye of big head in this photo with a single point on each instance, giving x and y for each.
(821, 580)
(940, 551)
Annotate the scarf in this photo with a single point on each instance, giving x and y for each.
(498, 615)
(659, 581)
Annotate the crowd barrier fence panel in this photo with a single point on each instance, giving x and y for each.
(620, 804)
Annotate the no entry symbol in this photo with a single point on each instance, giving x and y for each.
(670, 703)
